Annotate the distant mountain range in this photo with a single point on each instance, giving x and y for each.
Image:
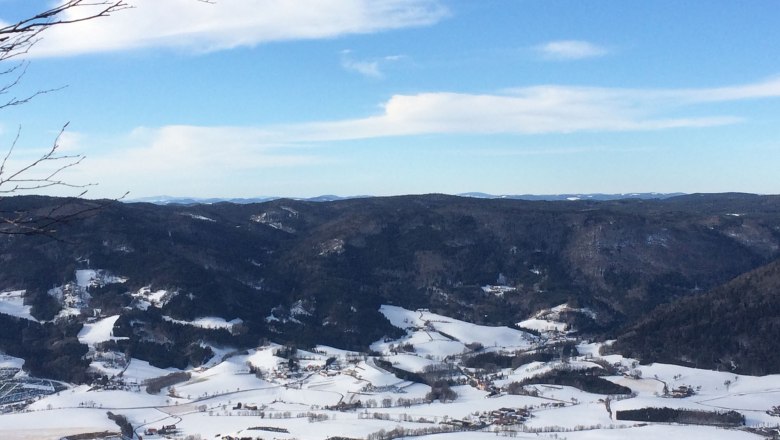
(170, 200)
(573, 197)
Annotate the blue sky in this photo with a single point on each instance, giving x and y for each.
(249, 98)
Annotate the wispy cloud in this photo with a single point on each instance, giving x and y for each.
(535, 110)
(570, 50)
(205, 27)
(202, 160)
(371, 68)
(177, 153)
(363, 67)
(553, 151)
(528, 110)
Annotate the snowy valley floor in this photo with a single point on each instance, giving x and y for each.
(330, 392)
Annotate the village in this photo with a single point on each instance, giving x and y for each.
(445, 376)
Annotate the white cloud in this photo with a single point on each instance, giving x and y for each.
(571, 50)
(371, 68)
(204, 27)
(529, 110)
(534, 110)
(171, 156)
(194, 160)
(363, 67)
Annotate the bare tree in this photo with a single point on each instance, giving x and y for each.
(17, 39)
(45, 171)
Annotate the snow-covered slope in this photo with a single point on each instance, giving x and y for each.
(287, 393)
(12, 303)
(98, 331)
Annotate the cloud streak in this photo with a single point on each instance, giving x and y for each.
(203, 27)
(533, 111)
(370, 68)
(176, 153)
(523, 111)
(565, 50)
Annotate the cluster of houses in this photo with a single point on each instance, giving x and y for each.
(71, 296)
(506, 416)
(498, 417)
(371, 388)
(247, 407)
(164, 430)
(681, 392)
(115, 383)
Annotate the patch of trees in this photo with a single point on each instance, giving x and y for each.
(400, 432)
(680, 415)
(442, 371)
(563, 350)
(286, 352)
(90, 435)
(153, 386)
(585, 380)
(111, 298)
(581, 322)
(43, 306)
(732, 328)
(124, 424)
(492, 361)
(169, 344)
(50, 350)
(269, 429)
(167, 355)
(431, 374)
(400, 373)
(489, 361)
(441, 391)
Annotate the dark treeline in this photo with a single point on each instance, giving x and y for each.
(687, 416)
(49, 349)
(153, 386)
(585, 380)
(494, 360)
(732, 328)
(124, 424)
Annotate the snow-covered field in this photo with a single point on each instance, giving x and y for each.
(99, 331)
(332, 392)
(12, 303)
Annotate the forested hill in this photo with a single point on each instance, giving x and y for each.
(735, 327)
(317, 272)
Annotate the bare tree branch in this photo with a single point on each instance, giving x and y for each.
(20, 70)
(21, 178)
(17, 38)
(45, 171)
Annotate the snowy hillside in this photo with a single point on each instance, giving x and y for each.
(427, 382)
